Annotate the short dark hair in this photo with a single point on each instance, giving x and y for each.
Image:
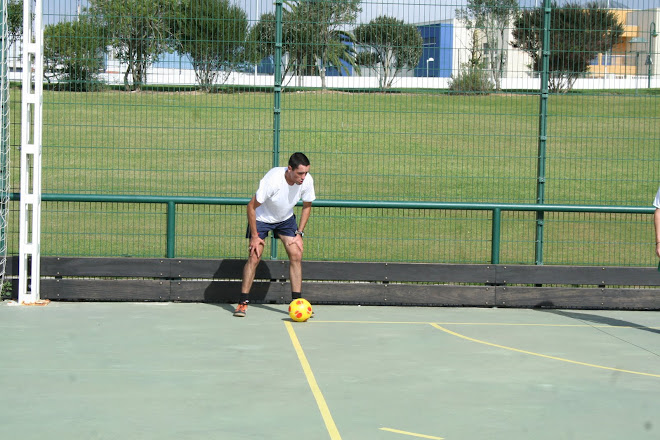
(298, 159)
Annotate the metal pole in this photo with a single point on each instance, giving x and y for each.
(636, 72)
(171, 229)
(543, 119)
(277, 90)
(649, 59)
(495, 236)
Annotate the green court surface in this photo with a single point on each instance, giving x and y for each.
(193, 371)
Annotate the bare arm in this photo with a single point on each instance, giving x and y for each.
(304, 215)
(656, 221)
(256, 243)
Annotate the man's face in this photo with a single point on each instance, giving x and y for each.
(299, 174)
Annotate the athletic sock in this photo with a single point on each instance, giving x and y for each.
(244, 298)
(295, 295)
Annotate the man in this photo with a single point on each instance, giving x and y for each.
(271, 209)
(656, 221)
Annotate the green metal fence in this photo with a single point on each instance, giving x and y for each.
(435, 133)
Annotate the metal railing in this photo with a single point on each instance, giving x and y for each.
(496, 210)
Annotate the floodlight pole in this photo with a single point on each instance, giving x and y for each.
(649, 59)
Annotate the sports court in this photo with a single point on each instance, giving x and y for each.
(93, 370)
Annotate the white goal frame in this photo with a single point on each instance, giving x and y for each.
(29, 265)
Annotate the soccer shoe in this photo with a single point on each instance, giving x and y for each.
(241, 310)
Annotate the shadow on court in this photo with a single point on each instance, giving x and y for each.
(601, 320)
(193, 371)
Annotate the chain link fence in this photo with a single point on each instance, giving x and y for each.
(403, 109)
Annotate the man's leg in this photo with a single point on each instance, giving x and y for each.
(295, 253)
(249, 271)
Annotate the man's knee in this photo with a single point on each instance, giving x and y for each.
(253, 260)
(295, 254)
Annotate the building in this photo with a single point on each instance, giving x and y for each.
(438, 50)
(636, 52)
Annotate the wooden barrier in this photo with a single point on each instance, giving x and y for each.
(415, 284)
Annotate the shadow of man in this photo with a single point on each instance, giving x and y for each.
(226, 284)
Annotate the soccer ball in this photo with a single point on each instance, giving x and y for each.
(300, 310)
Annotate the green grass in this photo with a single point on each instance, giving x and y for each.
(602, 149)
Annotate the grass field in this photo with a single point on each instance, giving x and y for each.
(602, 149)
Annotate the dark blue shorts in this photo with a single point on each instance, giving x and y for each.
(287, 228)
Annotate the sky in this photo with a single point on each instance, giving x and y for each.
(410, 11)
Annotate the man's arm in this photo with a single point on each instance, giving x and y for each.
(304, 215)
(656, 221)
(255, 241)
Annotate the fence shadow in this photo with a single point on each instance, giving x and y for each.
(599, 319)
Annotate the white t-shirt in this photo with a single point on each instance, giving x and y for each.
(278, 198)
(656, 203)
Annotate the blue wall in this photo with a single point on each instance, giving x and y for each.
(437, 45)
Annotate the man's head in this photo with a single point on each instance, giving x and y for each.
(297, 159)
(298, 168)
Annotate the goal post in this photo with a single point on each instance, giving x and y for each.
(31, 131)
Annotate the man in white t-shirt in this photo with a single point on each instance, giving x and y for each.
(271, 209)
(656, 222)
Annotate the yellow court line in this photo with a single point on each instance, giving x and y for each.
(411, 433)
(320, 401)
(541, 355)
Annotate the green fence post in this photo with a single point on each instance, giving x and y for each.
(495, 236)
(277, 92)
(543, 126)
(171, 228)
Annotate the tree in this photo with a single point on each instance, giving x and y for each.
(391, 46)
(313, 37)
(330, 43)
(73, 52)
(15, 21)
(139, 31)
(577, 35)
(492, 18)
(212, 33)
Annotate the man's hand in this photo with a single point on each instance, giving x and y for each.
(256, 246)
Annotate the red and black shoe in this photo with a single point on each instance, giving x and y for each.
(241, 310)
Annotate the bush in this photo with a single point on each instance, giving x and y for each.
(73, 54)
(6, 291)
(472, 79)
